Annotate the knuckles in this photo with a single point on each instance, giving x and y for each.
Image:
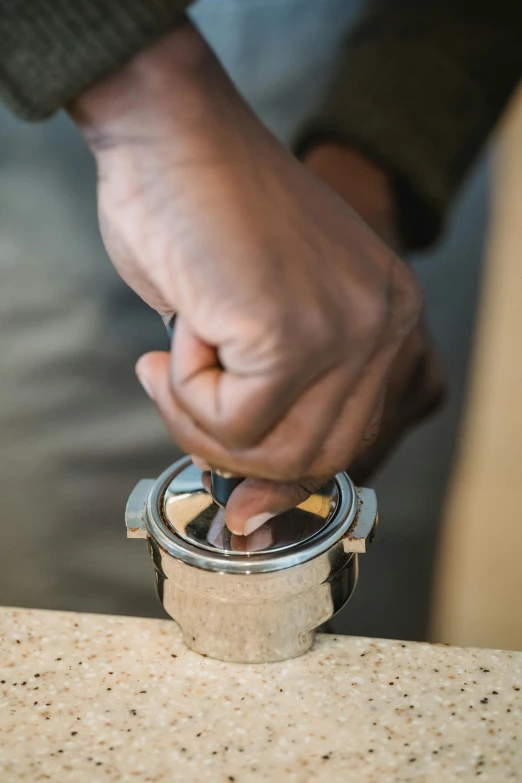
(407, 297)
(294, 350)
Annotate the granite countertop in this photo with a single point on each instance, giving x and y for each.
(96, 698)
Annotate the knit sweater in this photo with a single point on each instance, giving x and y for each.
(420, 86)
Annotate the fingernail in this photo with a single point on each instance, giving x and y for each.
(260, 539)
(256, 521)
(215, 531)
(145, 383)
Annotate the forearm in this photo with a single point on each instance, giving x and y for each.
(420, 88)
(168, 79)
(171, 108)
(52, 49)
(366, 187)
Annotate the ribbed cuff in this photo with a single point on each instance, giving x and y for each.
(53, 49)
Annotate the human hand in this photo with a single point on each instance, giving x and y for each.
(415, 383)
(291, 312)
(416, 380)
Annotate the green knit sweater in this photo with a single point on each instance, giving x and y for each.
(421, 85)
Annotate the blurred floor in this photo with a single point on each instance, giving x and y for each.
(76, 429)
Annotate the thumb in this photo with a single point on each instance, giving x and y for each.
(255, 501)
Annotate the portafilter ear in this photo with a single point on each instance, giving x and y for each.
(256, 598)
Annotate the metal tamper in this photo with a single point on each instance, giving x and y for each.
(255, 598)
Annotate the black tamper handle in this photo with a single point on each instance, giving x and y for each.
(222, 484)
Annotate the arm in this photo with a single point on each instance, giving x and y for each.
(421, 86)
(52, 49)
(291, 311)
(176, 149)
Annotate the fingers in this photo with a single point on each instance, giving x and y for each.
(196, 370)
(358, 422)
(153, 372)
(290, 449)
(238, 407)
(287, 452)
(371, 433)
(321, 435)
(255, 501)
(246, 512)
(200, 463)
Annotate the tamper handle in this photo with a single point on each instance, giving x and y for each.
(222, 484)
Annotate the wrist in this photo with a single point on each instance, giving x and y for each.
(164, 85)
(361, 183)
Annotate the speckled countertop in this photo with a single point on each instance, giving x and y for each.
(95, 698)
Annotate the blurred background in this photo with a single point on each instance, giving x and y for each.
(78, 431)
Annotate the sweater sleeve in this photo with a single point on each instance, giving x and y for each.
(52, 49)
(421, 85)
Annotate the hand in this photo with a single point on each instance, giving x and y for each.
(416, 381)
(291, 312)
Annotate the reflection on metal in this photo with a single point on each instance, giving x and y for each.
(360, 535)
(257, 598)
(190, 511)
(136, 512)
